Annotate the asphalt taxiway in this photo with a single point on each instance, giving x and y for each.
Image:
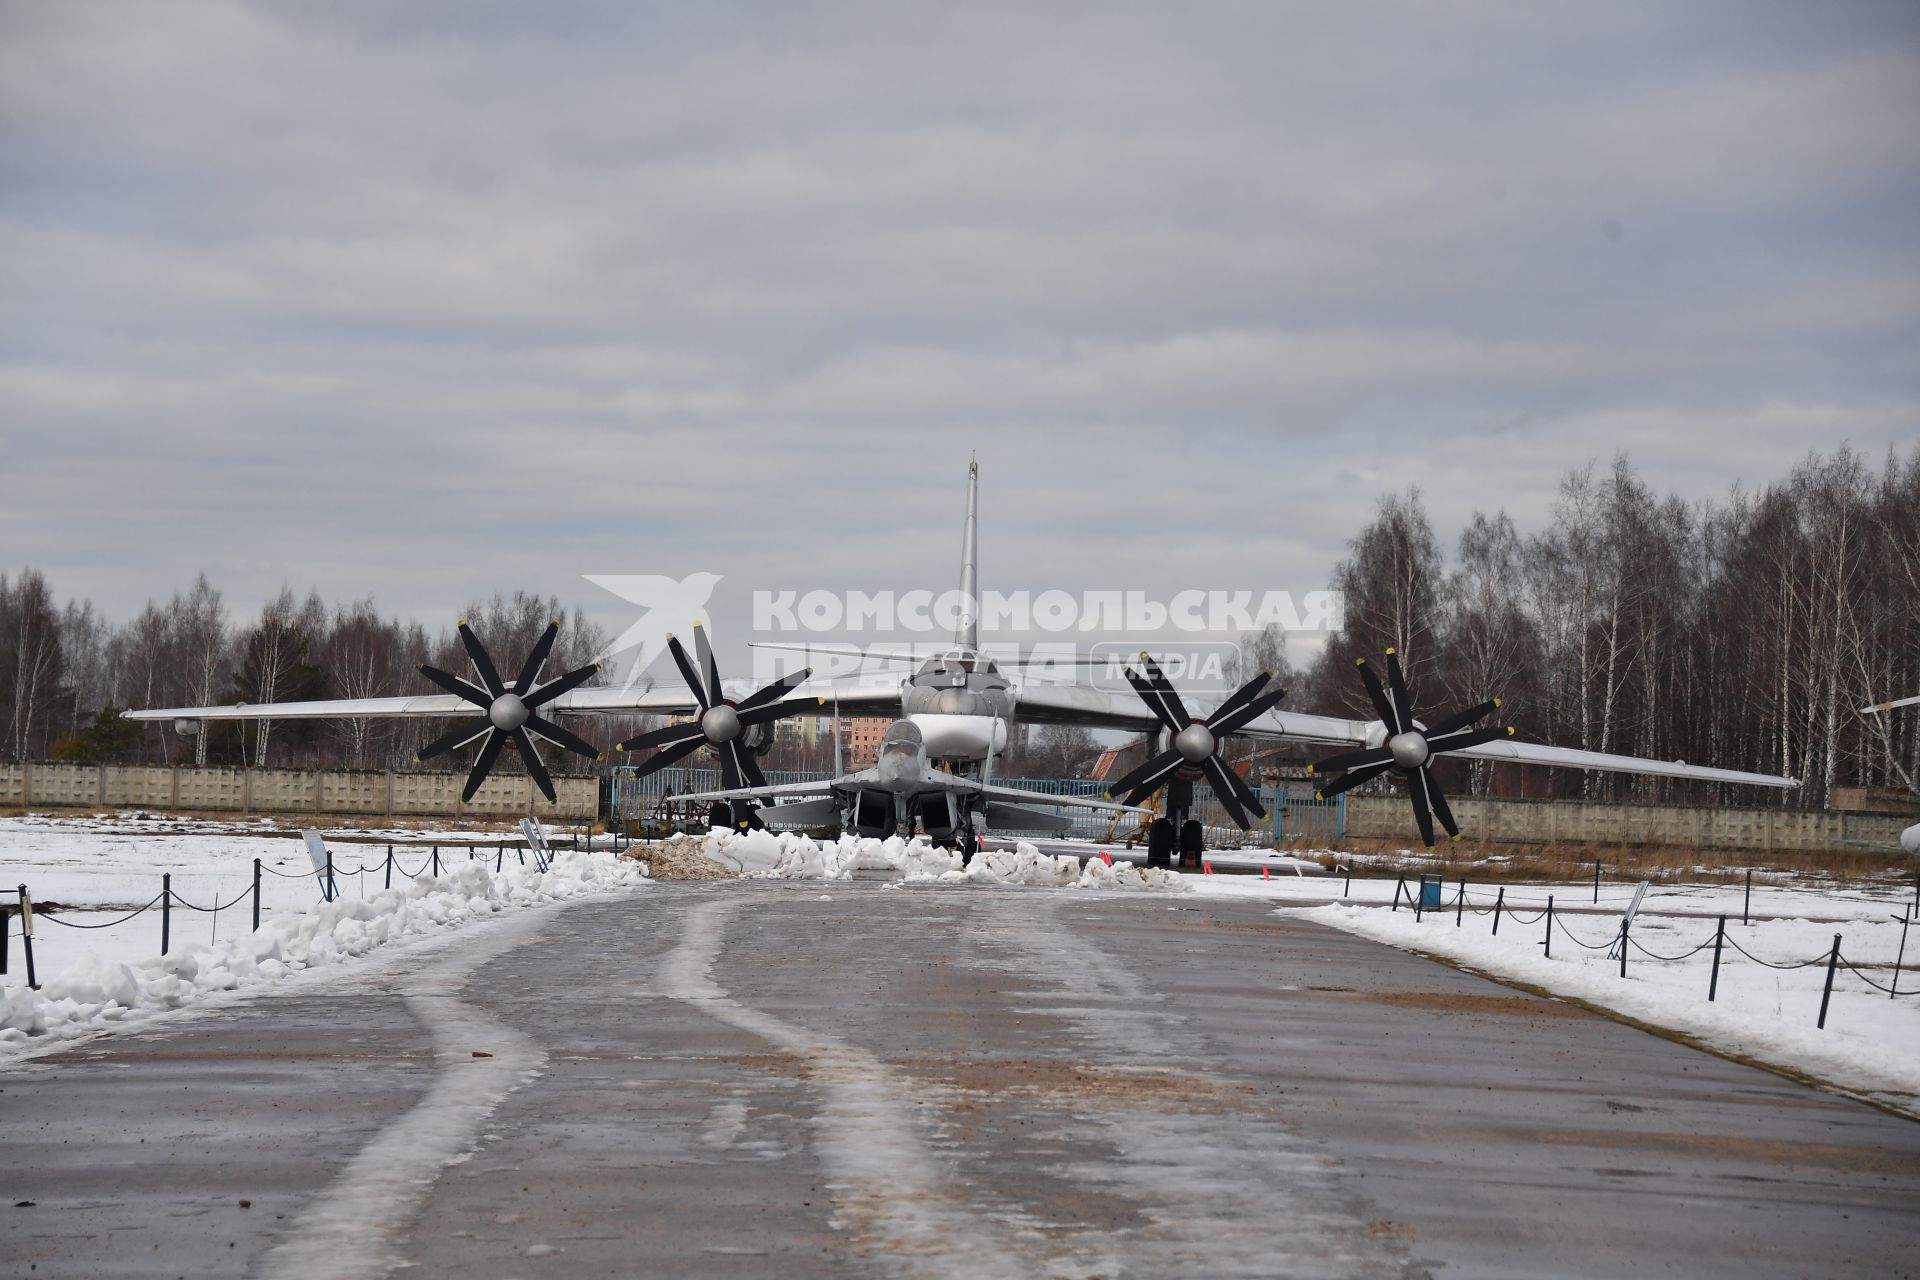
(798, 1079)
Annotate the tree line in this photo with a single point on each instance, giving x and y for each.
(1744, 632)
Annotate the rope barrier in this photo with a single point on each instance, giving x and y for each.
(1803, 964)
(40, 913)
(1575, 940)
(218, 905)
(1875, 985)
(1654, 955)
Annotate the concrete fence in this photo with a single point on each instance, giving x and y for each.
(1571, 822)
(220, 790)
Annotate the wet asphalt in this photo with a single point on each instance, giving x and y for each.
(797, 1079)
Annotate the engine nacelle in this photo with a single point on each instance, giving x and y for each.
(873, 814)
(187, 728)
(1910, 839)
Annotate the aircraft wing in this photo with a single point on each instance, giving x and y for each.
(818, 787)
(1104, 709)
(672, 700)
(1878, 707)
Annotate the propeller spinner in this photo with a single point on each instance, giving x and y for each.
(510, 712)
(1410, 748)
(1196, 743)
(722, 724)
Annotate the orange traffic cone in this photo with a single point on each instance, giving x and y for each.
(1263, 872)
(1208, 867)
(1104, 858)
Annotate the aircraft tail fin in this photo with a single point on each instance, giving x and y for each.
(968, 631)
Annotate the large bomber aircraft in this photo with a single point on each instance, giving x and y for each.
(953, 715)
(1910, 838)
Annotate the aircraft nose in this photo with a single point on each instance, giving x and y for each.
(958, 702)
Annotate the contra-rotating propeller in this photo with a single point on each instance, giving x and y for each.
(1410, 748)
(1196, 743)
(723, 723)
(509, 712)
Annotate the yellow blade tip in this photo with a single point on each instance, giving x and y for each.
(1511, 731)
(696, 622)
(1319, 795)
(1390, 652)
(1496, 702)
(1359, 662)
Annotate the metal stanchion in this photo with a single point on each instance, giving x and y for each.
(1460, 904)
(1892, 991)
(256, 895)
(388, 882)
(1833, 962)
(26, 936)
(1549, 926)
(166, 911)
(1746, 903)
(1499, 904)
(1713, 983)
(1596, 880)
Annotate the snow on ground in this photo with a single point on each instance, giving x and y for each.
(1871, 1043)
(789, 856)
(99, 990)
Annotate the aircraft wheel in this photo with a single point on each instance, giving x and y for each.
(720, 816)
(1160, 842)
(1193, 842)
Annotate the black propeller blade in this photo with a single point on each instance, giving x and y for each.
(507, 713)
(1410, 748)
(722, 724)
(1196, 744)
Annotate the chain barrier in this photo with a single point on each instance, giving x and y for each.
(1800, 964)
(41, 913)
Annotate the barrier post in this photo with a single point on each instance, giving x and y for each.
(1399, 883)
(6, 944)
(1713, 983)
(388, 882)
(1833, 962)
(329, 889)
(1596, 880)
(1892, 991)
(1549, 926)
(1348, 891)
(26, 936)
(166, 911)
(256, 895)
(1460, 904)
(436, 862)
(499, 858)
(1623, 948)
(1747, 902)
(1419, 903)
(1499, 902)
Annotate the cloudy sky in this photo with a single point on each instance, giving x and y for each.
(427, 300)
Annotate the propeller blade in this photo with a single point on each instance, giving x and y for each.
(755, 778)
(1249, 713)
(1397, 685)
(1440, 809)
(779, 711)
(1238, 698)
(1378, 696)
(456, 686)
(560, 737)
(554, 688)
(687, 672)
(1422, 805)
(1352, 760)
(732, 775)
(1461, 719)
(481, 662)
(1248, 797)
(662, 758)
(1147, 776)
(1151, 696)
(661, 737)
(1223, 790)
(760, 697)
(1470, 738)
(463, 733)
(1164, 687)
(483, 764)
(530, 669)
(1353, 778)
(530, 756)
(708, 667)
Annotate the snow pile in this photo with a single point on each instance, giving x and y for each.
(1870, 1044)
(97, 992)
(791, 856)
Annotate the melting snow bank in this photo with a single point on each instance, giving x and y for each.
(1865, 1048)
(94, 993)
(789, 856)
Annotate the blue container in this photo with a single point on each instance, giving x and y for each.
(1430, 893)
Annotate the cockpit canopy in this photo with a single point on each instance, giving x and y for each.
(958, 662)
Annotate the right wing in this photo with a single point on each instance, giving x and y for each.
(1878, 707)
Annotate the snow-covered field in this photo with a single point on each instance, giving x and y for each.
(111, 864)
(96, 978)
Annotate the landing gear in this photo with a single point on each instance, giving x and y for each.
(1193, 840)
(1160, 842)
(742, 815)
